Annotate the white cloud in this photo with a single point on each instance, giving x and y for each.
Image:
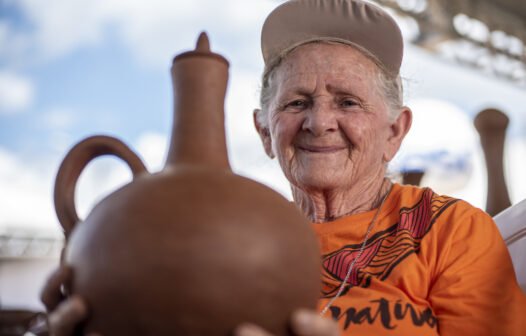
(99, 179)
(58, 118)
(59, 141)
(242, 98)
(246, 153)
(25, 197)
(4, 32)
(152, 147)
(61, 26)
(16, 93)
(164, 28)
(155, 30)
(58, 123)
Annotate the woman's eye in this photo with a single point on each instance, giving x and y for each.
(296, 103)
(348, 103)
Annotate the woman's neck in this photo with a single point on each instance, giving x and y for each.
(327, 205)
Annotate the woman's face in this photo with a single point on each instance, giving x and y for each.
(328, 124)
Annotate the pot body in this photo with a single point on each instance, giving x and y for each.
(193, 250)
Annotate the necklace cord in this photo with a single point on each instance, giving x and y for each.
(358, 256)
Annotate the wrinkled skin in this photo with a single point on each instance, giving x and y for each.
(331, 130)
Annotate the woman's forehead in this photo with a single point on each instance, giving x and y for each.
(335, 62)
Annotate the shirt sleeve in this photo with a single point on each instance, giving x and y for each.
(474, 289)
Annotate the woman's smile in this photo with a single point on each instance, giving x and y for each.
(321, 149)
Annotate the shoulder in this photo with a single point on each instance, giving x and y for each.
(438, 207)
(422, 210)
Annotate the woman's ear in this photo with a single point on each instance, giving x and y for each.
(398, 131)
(264, 133)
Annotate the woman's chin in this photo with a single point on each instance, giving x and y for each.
(319, 182)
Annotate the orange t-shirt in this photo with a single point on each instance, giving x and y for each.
(433, 265)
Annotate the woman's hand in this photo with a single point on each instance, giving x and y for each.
(64, 314)
(303, 323)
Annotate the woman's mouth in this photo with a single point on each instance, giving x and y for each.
(321, 149)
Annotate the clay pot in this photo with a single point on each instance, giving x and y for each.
(193, 249)
(491, 124)
(413, 177)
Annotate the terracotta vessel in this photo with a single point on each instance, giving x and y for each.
(193, 249)
(491, 125)
(413, 177)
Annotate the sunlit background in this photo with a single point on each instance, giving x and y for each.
(71, 69)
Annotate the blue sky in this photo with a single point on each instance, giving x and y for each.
(71, 68)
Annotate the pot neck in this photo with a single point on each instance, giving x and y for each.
(199, 80)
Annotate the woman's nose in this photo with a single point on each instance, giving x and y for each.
(320, 119)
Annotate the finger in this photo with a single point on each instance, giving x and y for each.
(310, 323)
(249, 329)
(67, 316)
(51, 294)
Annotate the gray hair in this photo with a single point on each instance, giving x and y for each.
(390, 85)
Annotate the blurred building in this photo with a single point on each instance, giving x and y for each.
(488, 35)
(26, 259)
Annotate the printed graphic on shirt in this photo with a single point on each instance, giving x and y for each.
(386, 249)
(386, 312)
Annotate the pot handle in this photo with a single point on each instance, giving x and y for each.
(73, 165)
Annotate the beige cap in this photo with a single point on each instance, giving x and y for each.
(355, 22)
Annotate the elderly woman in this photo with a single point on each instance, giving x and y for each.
(396, 259)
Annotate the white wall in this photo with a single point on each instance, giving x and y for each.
(21, 281)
